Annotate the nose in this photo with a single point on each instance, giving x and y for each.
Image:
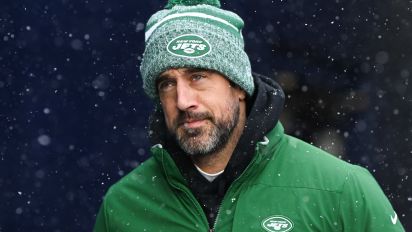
(186, 97)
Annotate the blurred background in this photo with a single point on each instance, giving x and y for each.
(73, 116)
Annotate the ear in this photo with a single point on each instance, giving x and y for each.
(242, 95)
(239, 92)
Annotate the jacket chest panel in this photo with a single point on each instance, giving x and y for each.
(266, 208)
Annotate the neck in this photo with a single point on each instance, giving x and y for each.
(217, 162)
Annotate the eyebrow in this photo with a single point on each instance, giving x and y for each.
(160, 79)
(186, 71)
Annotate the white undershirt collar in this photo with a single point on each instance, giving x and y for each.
(209, 176)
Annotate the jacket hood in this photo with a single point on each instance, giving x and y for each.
(264, 109)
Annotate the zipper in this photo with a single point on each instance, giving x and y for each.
(218, 212)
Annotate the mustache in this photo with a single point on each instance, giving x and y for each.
(186, 116)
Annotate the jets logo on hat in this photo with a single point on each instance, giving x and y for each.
(190, 45)
(277, 224)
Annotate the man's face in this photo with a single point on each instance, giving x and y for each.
(201, 108)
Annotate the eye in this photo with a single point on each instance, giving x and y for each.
(197, 76)
(165, 85)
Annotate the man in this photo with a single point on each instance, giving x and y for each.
(222, 161)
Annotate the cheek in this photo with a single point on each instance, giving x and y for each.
(170, 115)
(226, 106)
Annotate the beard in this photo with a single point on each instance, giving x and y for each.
(209, 138)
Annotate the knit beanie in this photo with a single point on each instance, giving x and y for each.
(195, 34)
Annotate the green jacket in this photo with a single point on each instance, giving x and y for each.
(289, 186)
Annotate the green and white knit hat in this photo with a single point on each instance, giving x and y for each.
(195, 34)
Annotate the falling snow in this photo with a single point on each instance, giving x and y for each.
(44, 140)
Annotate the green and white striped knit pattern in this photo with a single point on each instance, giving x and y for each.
(195, 36)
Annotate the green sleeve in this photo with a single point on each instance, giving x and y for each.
(101, 222)
(364, 207)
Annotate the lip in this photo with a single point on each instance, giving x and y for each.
(194, 123)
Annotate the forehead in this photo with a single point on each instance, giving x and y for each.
(175, 73)
(184, 71)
